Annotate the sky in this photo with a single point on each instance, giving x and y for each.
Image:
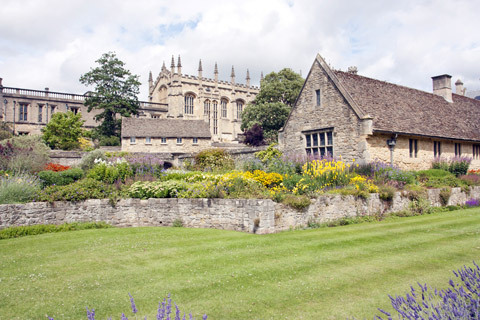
(51, 43)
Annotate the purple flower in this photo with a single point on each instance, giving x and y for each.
(134, 307)
(472, 203)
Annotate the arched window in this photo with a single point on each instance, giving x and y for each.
(223, 104)
(239, 109)
(215, 117)
(189, 98)
(206, 109)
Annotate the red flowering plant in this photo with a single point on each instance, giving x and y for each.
(56, 167)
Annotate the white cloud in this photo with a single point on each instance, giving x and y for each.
(52, 42)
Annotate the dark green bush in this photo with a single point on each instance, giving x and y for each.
(80, 190)
(16, 232)
(291, 180)
(60, 178)
(214, 160)
(111, 141)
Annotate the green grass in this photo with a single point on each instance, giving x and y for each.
(328, 273)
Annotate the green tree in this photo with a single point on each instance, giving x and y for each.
(273, 103)
(115, 93)
(63, 131)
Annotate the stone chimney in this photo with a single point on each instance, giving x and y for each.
(459, 89)
(442, 86)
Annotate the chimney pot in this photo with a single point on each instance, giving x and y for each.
(442, 86)
(47, 89)
(459, 88)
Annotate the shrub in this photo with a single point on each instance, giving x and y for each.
(321, 174)
(456, 165)
(298, 202)
(18, 187)
(269, 180)
(63, 131)
(269, 154)
(291, 180)
(445, 195)
(6, 131)
(386, 192)
(459, 301)
(16, 232)
(213, 160)
(157, 189)
(111, 141)
(252, 165)
(254, 135)
(78, 191)
(239, 185)
(60, 178)
(177, 223)
(471, 179)
(23, 154)
(88, 160)
(110, 172)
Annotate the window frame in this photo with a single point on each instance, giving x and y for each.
(163, 140)
(23, 112)
(318, 101)
(239, 104)
(476, 151)
(223, 108)
(179, 141)
(133, 140)
(437, 149)
(458, 149)
(40, 113)
(189, 103)
(148, 140)
(194, 140)
(319, 142)
(413, 148)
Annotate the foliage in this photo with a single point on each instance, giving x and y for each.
(56, 167)
(298, 202)
(445, 195)
(177, 223)
(23, 154)
(270, 117)
(268, 155)
(415, 192)
(85, 144)
(6, 131)
(213, 160)
(109, 141)
(60, 178)
(254, 135)
(110, 171)
(16, 232)
(270, 109)
(471, 179)
(115, 93)
(88, 160)
(241, 185)
(157, 189)
(269, 180)
(18, 187)
(459, 301)
(283, 87)
(382, 173)
(386, 192)
(80, 190)
(474, 171)
(63, 131)
(252, 165)
(456, 165)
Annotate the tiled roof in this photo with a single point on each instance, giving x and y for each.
(164, 128)
(400, 109)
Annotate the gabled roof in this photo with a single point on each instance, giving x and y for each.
(165, 128)
(400, 109)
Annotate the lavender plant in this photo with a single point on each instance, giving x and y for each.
(459, 301)
(472, 203)
(164, 311)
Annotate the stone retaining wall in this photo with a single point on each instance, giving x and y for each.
(249, 215)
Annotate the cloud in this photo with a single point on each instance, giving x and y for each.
(50, 43)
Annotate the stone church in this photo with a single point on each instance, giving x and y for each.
(219, 103)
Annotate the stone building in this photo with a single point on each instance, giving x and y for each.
(355, 117)
(218, 103)
(149, 135)
(27, 111)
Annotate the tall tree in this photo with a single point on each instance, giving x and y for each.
(273, 103)
(115, 93)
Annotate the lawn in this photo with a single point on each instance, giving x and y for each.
(328, 273)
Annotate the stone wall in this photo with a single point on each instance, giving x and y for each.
(249, 215)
